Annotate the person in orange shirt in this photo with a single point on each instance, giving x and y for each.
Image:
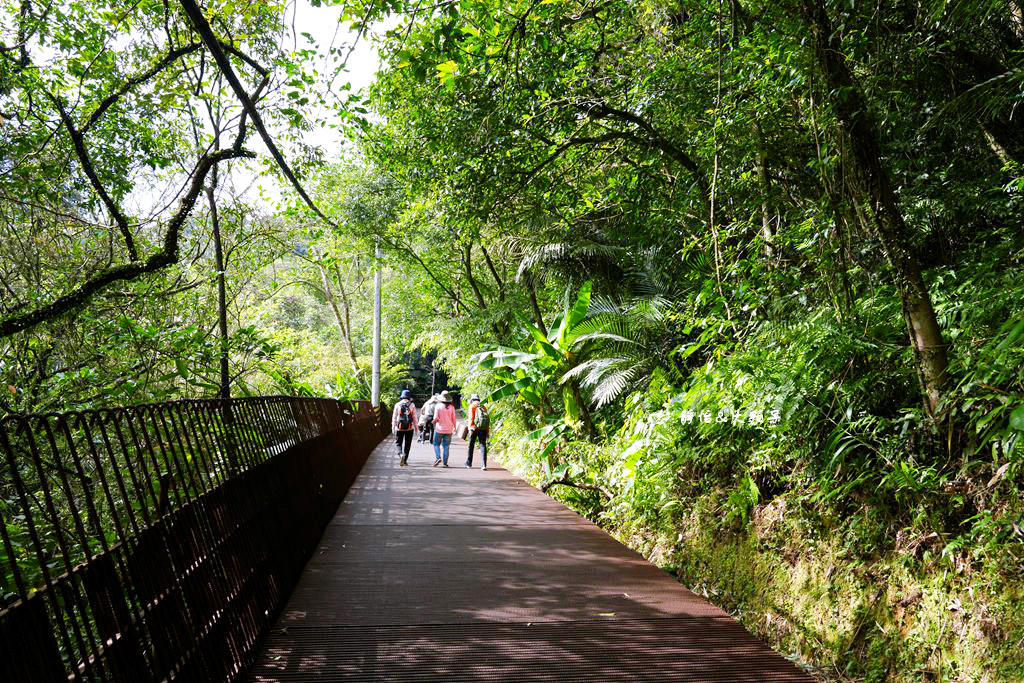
(479, 425)
(444, 427)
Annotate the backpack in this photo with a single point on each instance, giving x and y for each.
(404, 416)
(481, 420)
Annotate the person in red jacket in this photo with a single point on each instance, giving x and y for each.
(444, 427)
(479, 425)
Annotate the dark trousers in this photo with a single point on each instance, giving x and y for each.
(476, 436)
(406, 437)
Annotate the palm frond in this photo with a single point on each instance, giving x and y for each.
(603, 335)
(602, 303)
(589, 368)
(612, 385)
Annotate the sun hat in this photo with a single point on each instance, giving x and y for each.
(406, 393)
(446, 397)
(474, 397)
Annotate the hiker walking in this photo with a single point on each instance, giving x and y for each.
(403, 423)
(427, 419)
(444, 426)
(479, 425)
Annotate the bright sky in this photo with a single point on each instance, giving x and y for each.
(363, 62)
(322, 24)
(267, 191)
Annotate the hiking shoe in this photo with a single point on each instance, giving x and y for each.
(402, 462)
(437, 462)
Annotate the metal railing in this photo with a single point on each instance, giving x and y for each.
(158, 542)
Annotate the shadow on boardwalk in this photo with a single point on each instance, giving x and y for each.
(433, 574)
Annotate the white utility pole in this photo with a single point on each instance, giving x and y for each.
(375, 386)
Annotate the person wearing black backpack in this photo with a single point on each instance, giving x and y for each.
(479, 425)
(403, 424)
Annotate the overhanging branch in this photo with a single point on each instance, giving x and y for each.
(216, 48)
(574, 142)
(653, 138)
(78, 141)
(565, 481)
(205, 31)
(161, 259)
(113, 97)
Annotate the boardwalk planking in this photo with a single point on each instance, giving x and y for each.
(432, 574)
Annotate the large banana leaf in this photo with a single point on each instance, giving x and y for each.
(534, 331)
(581, 308)
(545, 346)
(550, 352)
(561, 328)
(531, 396)
(504, 357)
(511, 388)
(557, 327)
(545, 431)
(547, 449)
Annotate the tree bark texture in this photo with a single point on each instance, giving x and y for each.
(858, 125)
(494, 273)
(227, 413)
(588, 421)
(764, 179)
(467, 259)
(537, 316)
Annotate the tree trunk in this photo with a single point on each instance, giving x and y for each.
(494, 273)
(858, 125)
(468, 261)
(227, 414)
(348, 317)
(842, 229)
(343, 327)
(222, 295)
(588, 422)
(766, 193)
(537, 317)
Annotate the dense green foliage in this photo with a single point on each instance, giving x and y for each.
(741, 281)
(741, 385)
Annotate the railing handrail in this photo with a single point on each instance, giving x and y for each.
(82, 493)
(177, 401)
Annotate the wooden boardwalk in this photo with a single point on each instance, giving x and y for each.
(432, 574)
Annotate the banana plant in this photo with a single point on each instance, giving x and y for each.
(543, 367)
